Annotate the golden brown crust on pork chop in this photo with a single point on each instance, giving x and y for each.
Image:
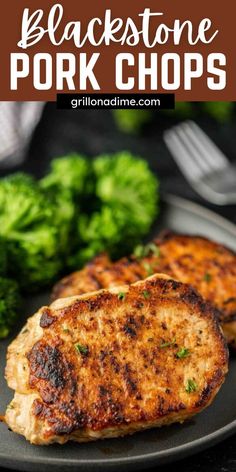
(208, 266)
(114, 362)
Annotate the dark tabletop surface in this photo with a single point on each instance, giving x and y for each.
(94, 132)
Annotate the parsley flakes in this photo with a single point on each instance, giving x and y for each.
(153, 248)
(148, 268)
(207, 277)
(183, 352)
(139, 251)
(191, 386)
(82, 349)
(144, 251)
(168, 344)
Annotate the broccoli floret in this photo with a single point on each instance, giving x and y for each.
(10, 303)
(69, 173)
(33, 259)
(64, 218)
(21, 204)
(69, 185)
(29, 223)
(126, 182)
(101, 231)
(45, 222)
(127, 198)
(131, 121)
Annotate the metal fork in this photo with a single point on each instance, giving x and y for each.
(205, 167)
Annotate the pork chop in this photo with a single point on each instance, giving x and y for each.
(114, 362)
(208, 266)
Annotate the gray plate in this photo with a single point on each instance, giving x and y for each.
(151, 447)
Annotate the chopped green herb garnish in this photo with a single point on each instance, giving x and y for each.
(148, 268)
(151, 247)
(66, 330)
(191, 386)
(81, 349)
(207, 277)
(146, 294)
(168, 344)
(121, 296)
(183, 352)
(143, 251)
(139, 251)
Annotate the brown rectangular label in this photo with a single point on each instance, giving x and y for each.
(117, 47)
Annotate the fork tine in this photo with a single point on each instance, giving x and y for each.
(213, 156)
(191, 171)
(190, 143)
(198, 157)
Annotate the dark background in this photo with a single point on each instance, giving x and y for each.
(94, 132)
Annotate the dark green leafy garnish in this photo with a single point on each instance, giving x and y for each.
(146, 294)
(207, 277)
(183, 352)
(66, 330)
(81, 349)
(191, 386)
(168, 344)
(121, 296)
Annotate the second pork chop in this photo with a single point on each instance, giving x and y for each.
(208, 266)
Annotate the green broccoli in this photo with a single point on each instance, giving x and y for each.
(126, 182)
(68, 174)
(127, 204)
(102, 231)
(65, 215)
(78, 210)
(131, 121)
(10, 303)
(69, 185)
(28, 221)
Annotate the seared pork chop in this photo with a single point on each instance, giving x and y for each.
(208, 266)
(113, 362)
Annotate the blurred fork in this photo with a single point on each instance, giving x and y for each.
(205, 167)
